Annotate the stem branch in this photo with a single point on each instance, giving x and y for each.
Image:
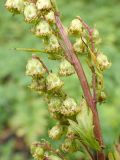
(36, 57)
(83, 80)
(48, 147)
(90, 32)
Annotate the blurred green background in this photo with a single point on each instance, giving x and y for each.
(23, 115)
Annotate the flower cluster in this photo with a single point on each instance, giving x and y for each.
(60, 105)
(74, 121)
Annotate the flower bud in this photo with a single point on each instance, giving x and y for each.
(53, 82)
(43, 5)
(76, 27)
(35, 68)
(96, 36)
(15, 6)
(56, 132)
(38, 84)
(103, 61)
(66, 69)
(70, 133)
(69, 107)
(52, 44)
(71, 145)
(42, 29)
(37, 152)
(50, 17)
(54, 104)
(30, 12)
(68, 146)
(101, 97)
(52, 157)
(79, 46)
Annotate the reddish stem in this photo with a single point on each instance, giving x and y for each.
(83, 80)
(90, 32)
(36, 57)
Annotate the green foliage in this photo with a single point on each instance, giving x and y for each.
(114, 155)
(83, 127)
(15, 100)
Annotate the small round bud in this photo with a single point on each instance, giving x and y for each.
(101, 97)
(50, 17)
(52, 157)
(70, 133)
(43, 5)
(76, 27)
(68, 146)
(30, 12)
(79, 46)
(54, 104)
(103, 61)
(66, 69)
(38, 84)
(42, 29)
(52, 44)
(53, 82)
(37, 152)
(71, 145)
(96, 36)
(95, 33)
(56, 132)
(69, 107)
(15, 6)
(35, 68)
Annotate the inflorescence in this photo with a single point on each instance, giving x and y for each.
(72, 123)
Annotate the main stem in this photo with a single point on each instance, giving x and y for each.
(69, 52)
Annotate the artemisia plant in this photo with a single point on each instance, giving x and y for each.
(77, 123)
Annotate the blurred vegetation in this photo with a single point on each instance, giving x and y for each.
(23, 115)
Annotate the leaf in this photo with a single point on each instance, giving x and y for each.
(84, 127)
(110, 156)
(116, 154)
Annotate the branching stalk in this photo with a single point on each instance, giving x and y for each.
(83, 80)
(49, 148)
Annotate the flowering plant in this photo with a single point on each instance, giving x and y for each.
(77, 122)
